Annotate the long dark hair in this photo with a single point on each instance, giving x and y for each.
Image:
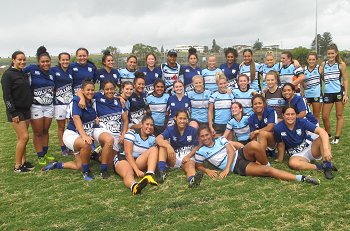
(41, 52)
(14, 55)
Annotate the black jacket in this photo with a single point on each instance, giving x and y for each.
(16, 91)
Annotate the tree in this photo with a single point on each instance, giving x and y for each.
(323, 42)
(162, 49)
(114, 52)
(257, 45)
(300, 54)
(215, 48)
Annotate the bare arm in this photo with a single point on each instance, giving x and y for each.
(125, 127)
(161, 142)
(211, 173)
(230, 154)
(81, 103)
(325, 146)
(128, 149)
(281, 148)
(79, 126)
(344, 74)
(211, 117)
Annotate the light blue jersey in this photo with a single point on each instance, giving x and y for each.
(210, 79)
(140, 145)
(199, 103)
(287, 73)
(332, 78)
(126, 75)
(264, 69)
(158, 105)
(222, 107)
(245, 69)
(244, 97)
(312, 83)
(239, 128)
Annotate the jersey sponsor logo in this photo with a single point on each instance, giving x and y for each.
(133, 99)
(298, 132)
(184, 150)
(111, 122)
(102, 76)
(64, 94)
(115, 76)
(137, 116)
(43, 96)
(189, 138)
(283, 134)
(75, 69)
(149, 89)
(88, 128)
(89, 69)
(36, 72)
(103, 100)
(187, 70)
(172, 104)
(189, 87)
(51, 77)
(58, 74)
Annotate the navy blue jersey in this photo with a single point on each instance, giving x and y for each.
(87, 115)
(178, 141)
(174, 105)
(63, 85)
(188, 72)
(332, 78)
(300, 105)
(103, 75)
(158, 106)
(81, 73)
(137, 107)
(151, 77)
(199, 105)
(295, 138)
(126, 75)
(230, 72)
(42, 85)
(269, 116)
(109, 112)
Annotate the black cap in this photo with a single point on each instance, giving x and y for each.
(172, 52)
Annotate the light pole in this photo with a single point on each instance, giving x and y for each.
(316, 44)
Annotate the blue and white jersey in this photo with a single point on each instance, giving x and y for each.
(300, 105)
(264, 69)
(174, 105)
(109, 112)
(239, 128)
(158, 106)
(140, 145)
(137, 107)
(216, 155)
(297, 139)
(222, 107)
(312, 83)
(209, 77)
(245, 69)
(87, 115)
(151, 77)
(199, 105)
(230, 72)
(287, 73)
(188, 72)
(244, 97)
(103, 75)
(126, 75)
(170, 74)
(276, 101)
(81, 73)
(184, 142)
(332, 78)
(269, 116)
(63, 85)
(42, 85)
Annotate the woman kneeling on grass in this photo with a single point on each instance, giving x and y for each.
(140, 153)
(82, 129)
(223, 156)
(180, 150)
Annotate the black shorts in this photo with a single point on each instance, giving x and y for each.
(333, 97)
(314, 100)
(241, 163)
(219, 128)
(244, 142)
(158, 130)
(23, 115)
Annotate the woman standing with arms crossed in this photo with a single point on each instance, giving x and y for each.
(18, 99)
(335, 90)
(151, 72)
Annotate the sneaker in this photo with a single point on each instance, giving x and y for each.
(196, 180)
(161, 177)
(335, 141)
(151, 179)
(95, 156)
(42, 161)
(328, 173)
(104, 174)
(137, 188)
(28, 165)
(88, 176)
(21, 169)
(271, 153)
(49, 157)
(311, 180)
(50, 166)
(65, 153)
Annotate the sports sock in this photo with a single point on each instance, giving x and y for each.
(299, 178)
(327, 164)
(150, 173)
(60, 165)
(103, 167)
(319, 166)
(63, 148)
(85, 167)
(189, 178)
(45, 149)
(161, 166)
(40, 154)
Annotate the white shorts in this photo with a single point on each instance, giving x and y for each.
(307, 154)
(69, 138)
(180, 154)
(60, 112)
(40, 111)
(98, 131)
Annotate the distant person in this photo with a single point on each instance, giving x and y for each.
(191, 70)
(209, 74)
(291, 71)
(151, 72)
(244, 93)
(269, 65)
(127, 73)
(171, 70)
(178, 101)
(18, 98)
(273, 93)
(107, 72)
(252, 69)
(231, 67)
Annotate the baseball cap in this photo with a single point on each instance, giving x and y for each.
(172, 52)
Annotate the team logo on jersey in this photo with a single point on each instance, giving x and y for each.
(198, 72)
(174, 138)
(172, 104)
(70, 76)
(51, 77)
(256, 126)
(89, 69)
(187, 70)
(156, 75)
(186, 104)
(189, 138)
(265, 120)
(316, 99)
(75, 69)
(298, 132)
(102, 100)
(58, 74)
(102, 76)
(338, 96)
(115, 102)
(133, 99)
(37, 72)
(233, 71)
(115, 76)
(283, 134)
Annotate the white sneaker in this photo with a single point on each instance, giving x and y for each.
(335, 141)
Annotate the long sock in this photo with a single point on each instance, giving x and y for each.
(161, 166)
(63, 148)
(150, 173)
(103, 167)
(327, 164)
(85, 167)
(319, 166)
(40, 154)
(60, 165)
(189, 178)
(45, 149)
(299, 178)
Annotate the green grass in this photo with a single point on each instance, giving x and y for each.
(62, 200)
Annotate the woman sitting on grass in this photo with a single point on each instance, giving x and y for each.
(243, 161)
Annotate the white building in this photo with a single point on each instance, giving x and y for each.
(184, 48)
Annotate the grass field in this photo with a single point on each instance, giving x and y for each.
(62, 200)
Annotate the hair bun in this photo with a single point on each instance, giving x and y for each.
(41, 50)
(192, 50)
(106, 52)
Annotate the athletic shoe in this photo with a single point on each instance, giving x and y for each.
(49, 157)
(271, 153)
(311, 180)
(95, 156)
(21, 169)
(328, 173)
(42, 161)
(196, 180)
(104, 174)
(335, 141)
(161, 177)
(88, 176)
(65, 153)
(50, 166)
(334, 168)
(137, 188)
(151, 179)
(28, 165)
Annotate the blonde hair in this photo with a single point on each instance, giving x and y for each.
(219, 76)
(197, 77)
